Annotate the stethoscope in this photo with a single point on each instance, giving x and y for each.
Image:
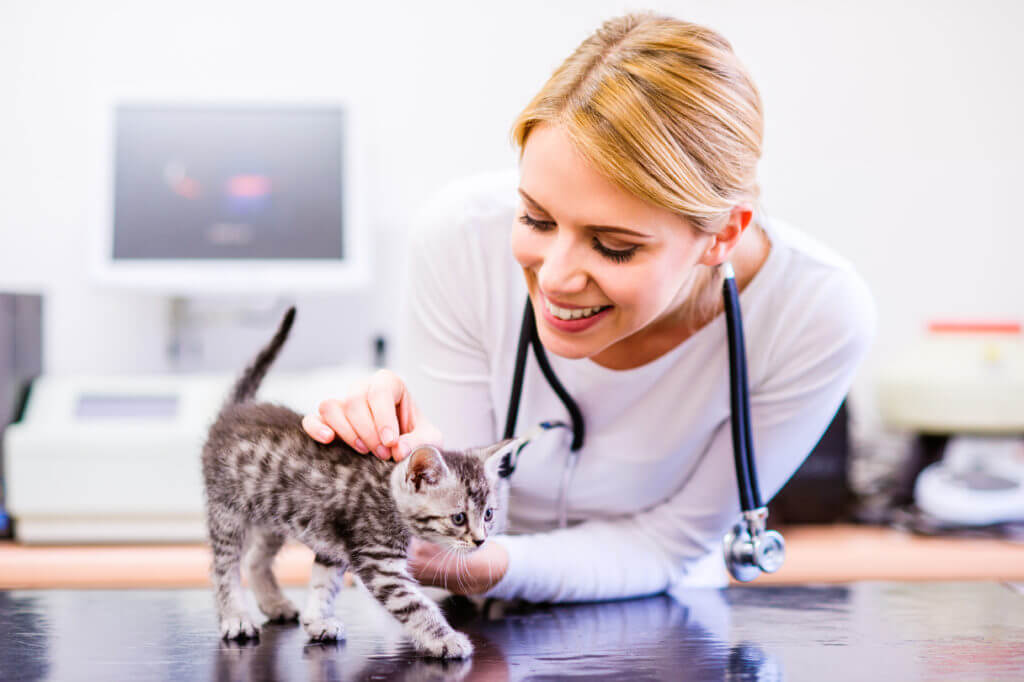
(749, 548)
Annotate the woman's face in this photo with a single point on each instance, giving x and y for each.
(589, 248)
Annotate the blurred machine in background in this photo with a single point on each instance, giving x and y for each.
(248, 201)
(961, 392)
(117, 458)
(21, 350)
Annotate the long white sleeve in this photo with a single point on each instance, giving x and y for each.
(648, 552)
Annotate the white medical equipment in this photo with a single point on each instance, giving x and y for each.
(964, 380)
(108, 459)
(960, 378)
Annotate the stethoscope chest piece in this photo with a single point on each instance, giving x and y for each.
(750, 549)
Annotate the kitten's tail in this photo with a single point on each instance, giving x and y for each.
(251, 379)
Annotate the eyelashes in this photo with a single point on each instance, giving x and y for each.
(614, 255)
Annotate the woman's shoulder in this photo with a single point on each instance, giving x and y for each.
(814, 292)
(458, 251)
(811, 270)
(474, 207)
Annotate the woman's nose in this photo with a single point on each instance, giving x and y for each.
(560, 270)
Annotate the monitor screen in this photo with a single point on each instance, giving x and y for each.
(228, 183)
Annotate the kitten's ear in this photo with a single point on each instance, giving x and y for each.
(426, 467)
(491, 455)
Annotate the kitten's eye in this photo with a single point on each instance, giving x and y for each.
(488, 514)
(459, 519)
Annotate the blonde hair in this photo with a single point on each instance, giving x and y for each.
(665, 110)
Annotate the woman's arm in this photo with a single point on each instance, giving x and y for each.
(646, 553)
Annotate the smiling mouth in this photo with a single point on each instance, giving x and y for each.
(573, 313)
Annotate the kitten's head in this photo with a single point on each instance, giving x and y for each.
(449, 497)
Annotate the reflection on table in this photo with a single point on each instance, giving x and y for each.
(954, 631)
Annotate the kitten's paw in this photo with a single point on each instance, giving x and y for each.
(453, 645)
(281, 612)
(238, 627)
(324, 630)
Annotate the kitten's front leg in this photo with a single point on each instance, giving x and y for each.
(386, 575)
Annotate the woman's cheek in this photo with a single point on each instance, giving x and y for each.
(525, 246)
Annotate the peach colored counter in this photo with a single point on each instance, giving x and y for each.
(815, 554)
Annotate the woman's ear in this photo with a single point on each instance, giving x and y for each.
(722, 244)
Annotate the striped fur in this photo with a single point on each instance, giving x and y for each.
(266, 480)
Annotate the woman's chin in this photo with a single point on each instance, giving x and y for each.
(565, 349)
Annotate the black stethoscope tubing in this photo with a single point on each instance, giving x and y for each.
(528, 337)
(743, 450)
(739, 398)
(749, 547)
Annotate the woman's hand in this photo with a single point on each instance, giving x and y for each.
(378, 416)
(465, 574)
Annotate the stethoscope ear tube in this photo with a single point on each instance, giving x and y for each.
(525, 333)
(743, 450)
(527, 337)
(749, 548)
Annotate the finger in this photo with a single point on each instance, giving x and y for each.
(426, 434)
(385, 393)
(408, 421)
(357, 411)
(333, 415)
(316, 429)
(407, 413)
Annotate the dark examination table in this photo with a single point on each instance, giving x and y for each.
(862, 631)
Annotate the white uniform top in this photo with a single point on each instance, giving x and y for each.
(655, 486)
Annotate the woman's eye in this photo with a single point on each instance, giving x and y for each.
(488, 514)
(459, 519)
(614, 255)
(534, 224)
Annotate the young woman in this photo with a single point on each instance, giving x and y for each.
(636, 182)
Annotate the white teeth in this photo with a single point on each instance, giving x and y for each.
(571, 313)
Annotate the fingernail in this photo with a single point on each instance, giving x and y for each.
(361, 446)
(403, 449)
(382, 452)
(326, 434)
(386, 435)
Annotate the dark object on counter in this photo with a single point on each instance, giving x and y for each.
(21, 350)
(819, 491)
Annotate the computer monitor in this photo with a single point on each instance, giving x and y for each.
(233, 198)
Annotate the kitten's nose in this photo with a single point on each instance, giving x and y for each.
(478, 542)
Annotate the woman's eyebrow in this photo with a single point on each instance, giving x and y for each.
(599, 228)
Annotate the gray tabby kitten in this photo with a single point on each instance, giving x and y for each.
(266, 480)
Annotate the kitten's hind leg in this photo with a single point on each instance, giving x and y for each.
(259, 559)
(227, 537)
(318, 617)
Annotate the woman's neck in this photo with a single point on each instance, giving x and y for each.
(652, 342)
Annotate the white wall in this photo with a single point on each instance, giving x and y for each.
(893, 134)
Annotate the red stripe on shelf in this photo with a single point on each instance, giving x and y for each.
(972, 327)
